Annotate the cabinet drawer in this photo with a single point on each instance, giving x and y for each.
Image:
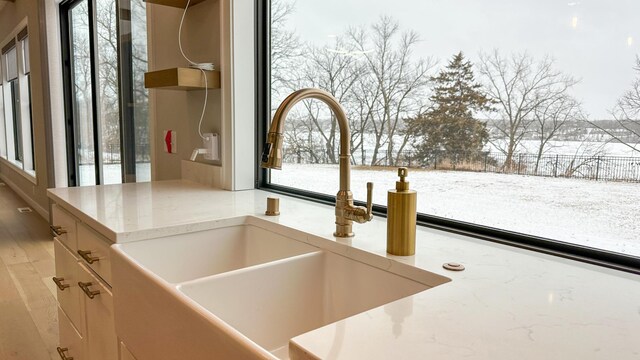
(64, 226)
(94, 251)
(102, 343)
(66, 280)
(71, 342)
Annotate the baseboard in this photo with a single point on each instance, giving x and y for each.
(34, 205)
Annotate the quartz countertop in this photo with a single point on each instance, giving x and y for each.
(509, 303)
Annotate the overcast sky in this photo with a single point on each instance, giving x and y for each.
(593, 40)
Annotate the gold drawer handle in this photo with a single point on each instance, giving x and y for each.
(86, 255)
(61, 352)
(57, 230)
(59, 283)
(85, 287)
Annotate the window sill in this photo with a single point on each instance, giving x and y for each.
(558, 248)
(17, 167)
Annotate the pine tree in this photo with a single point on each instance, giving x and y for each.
(448, 129)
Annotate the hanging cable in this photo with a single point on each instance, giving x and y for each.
(200, 66)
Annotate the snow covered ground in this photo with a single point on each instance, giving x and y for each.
(596, 214)
(566, 147)
(112, 174)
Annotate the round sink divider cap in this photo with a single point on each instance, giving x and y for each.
(453, 266)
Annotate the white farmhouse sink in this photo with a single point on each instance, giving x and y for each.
(242, 290)
(273, 303)
(190, 256)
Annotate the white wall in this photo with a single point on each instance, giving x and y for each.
(241, 49)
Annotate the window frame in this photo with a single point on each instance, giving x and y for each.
(16, 115)
(17, 120)
(126, 83)
(538, 244)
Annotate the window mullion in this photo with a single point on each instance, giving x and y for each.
(97, 136)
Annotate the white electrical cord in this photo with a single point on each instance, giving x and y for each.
(200, 66)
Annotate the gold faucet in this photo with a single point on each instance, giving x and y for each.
(346, 212)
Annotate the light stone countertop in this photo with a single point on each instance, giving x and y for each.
(509, 303)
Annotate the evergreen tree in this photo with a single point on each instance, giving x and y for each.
(448, 128)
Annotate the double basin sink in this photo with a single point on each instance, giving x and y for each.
(240, 291)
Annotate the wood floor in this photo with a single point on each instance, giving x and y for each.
(28, 312)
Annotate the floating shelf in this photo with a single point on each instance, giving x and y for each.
(174, 3)
(181, 79)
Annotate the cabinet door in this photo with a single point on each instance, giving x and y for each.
(66, 279)
(71, 345)
(101, 340)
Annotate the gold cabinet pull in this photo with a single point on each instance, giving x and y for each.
(59, 283)
(57, 230)
(61, 352)
(85, 287)
(86, 255)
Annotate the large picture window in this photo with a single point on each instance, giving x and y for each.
(16, 145)
(517, 121)
(105, 57)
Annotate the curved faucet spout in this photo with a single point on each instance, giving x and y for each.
(346, 212)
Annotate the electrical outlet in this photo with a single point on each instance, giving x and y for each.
(210, 143)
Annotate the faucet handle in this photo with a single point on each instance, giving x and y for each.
(369, 201)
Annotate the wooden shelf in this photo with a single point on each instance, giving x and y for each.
(174, 3)
(181, 79)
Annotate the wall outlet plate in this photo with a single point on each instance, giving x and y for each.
(211, 144)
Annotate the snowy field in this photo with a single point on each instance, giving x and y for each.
(564, 147)
(112, 173)
(585, 148)
(596, 214)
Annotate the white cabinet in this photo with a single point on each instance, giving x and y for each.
(71, 342)
(85, 301)
(66, 280)
(102, 343)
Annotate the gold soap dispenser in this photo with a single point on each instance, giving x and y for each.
(401, 217)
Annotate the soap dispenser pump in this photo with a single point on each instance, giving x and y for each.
(401, 217)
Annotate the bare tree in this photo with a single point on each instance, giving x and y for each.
(627, 116)
(365, 106)
(400, 84)
(331, 68)
(299, 137)
(584, 159)
(285, 50)
(108, 85)
(550, 117)
(519, 85)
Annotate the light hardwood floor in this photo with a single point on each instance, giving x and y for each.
(28, 311)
